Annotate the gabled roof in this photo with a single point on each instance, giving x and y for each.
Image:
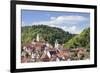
(45, 57)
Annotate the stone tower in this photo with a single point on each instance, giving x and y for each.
(56, 44)
(37, 38)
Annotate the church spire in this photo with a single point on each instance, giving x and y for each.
(37, 38)
(56, 44)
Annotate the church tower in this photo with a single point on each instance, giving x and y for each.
(37, 38)
(56, 44)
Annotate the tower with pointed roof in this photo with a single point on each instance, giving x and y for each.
(56, 44)
(37, 38)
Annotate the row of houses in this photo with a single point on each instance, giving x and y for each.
(40, 51)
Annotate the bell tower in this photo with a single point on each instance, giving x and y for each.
(37, 38)
(56, 44)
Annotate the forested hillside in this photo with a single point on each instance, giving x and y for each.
(49, 34)
(81, 40)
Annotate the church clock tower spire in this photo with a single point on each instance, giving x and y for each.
(37, 38)
(56, 44)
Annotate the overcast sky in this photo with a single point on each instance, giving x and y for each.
(73, 22)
